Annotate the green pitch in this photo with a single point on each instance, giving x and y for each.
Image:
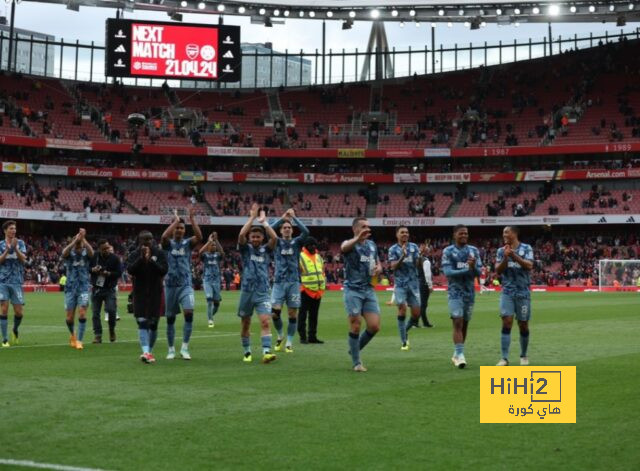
(103, 408)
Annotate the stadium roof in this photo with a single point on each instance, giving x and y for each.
(471, 12)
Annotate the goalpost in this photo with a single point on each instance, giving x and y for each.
(622, 275)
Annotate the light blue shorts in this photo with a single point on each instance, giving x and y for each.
(212, 291)
(177, 297)
(520, 306)
(11, 293)
(460, 308)
(407, 294)
(75, 298)
(289, 292)
(358, 302)
(250, 300)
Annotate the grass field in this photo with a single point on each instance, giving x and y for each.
(102, 408)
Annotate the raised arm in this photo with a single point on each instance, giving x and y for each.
(168, 233)
(273, 237)
(86, 244)
(304, 230)
(197, 233)
(253, 214)
(67, 250)
(348, 245)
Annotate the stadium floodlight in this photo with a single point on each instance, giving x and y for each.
(329, 14)
(183, 3)
(286, 13)
(631, 6)
(312, 14)
(441, 12)
(375, 13)
(201, 6)
(499, 12)
(394, 13)
(516, 11)
(612, 8)
(241, 10)
(461, 12)
(352, 14)
(535, 10)
(301, 13)
(554, 10)
(262, 11)
(412, 13)
(573, 9)
(592, 9)
(276, 12)
(221, 7)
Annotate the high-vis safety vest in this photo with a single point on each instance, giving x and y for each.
(312, 274)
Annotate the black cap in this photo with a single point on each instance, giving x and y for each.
(310, 241)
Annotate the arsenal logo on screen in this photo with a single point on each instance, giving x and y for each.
(192, 51)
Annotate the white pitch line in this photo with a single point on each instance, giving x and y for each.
(119, 341)
(33, 464)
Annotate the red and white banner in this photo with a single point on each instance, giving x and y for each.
(68, 144)
(234, 151)
(448, 177)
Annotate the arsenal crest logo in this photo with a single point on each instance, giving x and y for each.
(192, 51)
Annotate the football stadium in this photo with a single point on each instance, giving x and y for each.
(319, 235)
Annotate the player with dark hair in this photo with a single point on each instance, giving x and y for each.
(286, 283)
(147, 265)
(105, 271)
(361, 263)
(254, 295)
(77, 256)
(404, 260)
(178, 283)
(211, 255)
(13, 255)
(514, 262)
(461, 264)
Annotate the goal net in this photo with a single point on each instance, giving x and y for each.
(618, 275)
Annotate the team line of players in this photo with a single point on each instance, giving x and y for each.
(258, 244)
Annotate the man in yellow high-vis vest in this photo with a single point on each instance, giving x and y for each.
(312, 287)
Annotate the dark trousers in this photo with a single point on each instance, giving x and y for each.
(424, 302)
(110, 307)
(308, 306)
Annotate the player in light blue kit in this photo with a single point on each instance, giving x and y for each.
(178, 288)
(514, 262)
(461, 264)
(254, 295)
(404, 260)
(13, 255)
(211, 254)
(77, 256)
(286, 283)
(361, 263)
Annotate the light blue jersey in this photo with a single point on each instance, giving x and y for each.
(287, 254)
(12, 270)
(211, 262)
(516, 280)
(77, 268)
(406, 274)
(179, 259)
(359, 265)
(460, 278)
(255, 267)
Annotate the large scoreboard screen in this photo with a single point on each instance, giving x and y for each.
(153, 49)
